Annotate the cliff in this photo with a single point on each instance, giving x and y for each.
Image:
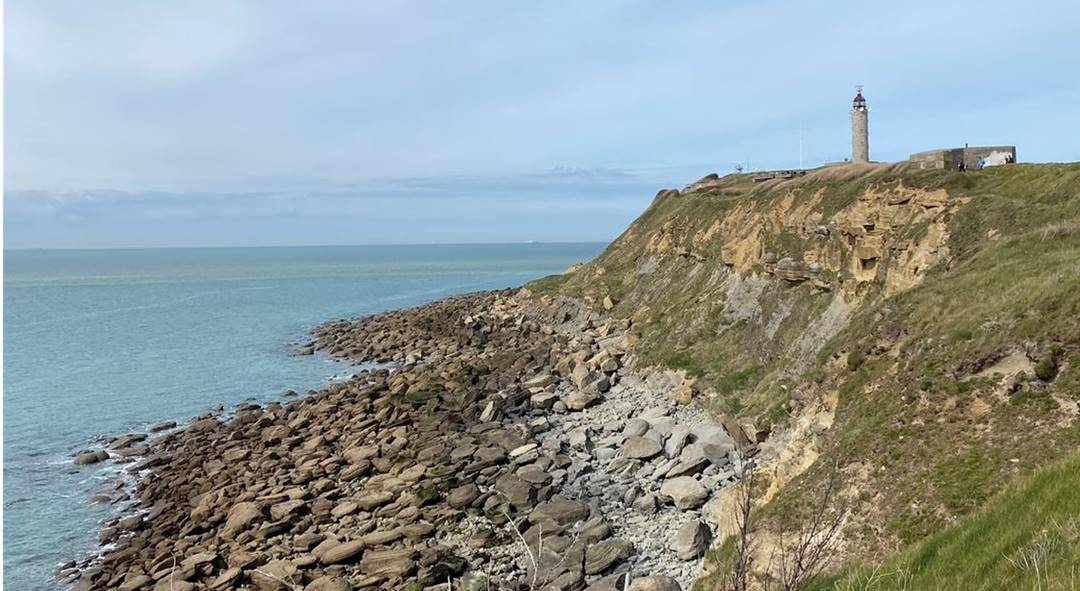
(917, 331)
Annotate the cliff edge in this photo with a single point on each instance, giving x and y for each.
(910, 334)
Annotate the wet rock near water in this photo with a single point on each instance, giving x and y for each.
(510, 446)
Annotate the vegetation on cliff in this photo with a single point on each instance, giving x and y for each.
(919, 329)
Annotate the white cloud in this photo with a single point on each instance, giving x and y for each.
(219, 97)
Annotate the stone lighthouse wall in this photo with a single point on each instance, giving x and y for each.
(860, 135)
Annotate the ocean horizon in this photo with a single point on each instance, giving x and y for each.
(102, 342)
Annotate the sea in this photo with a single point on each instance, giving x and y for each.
(104, 342)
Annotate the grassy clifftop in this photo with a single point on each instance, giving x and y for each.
(919, 329)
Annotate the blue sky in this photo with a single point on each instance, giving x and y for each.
(249, 123)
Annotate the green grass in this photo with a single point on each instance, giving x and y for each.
(1027, 538)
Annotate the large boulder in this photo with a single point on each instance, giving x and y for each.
(685, 491)
(691, 540)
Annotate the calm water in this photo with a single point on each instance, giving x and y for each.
(104, 342)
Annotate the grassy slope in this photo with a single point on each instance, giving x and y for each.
(923, 439)
(1028, 537)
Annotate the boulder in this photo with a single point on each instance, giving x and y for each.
(240, 517)
(344, 552)
(162, 426)
(559, 512)
(226, 579)
(463, 496)
(276, 575)
(371, 500)
(640, 448)
(636, 427)
(518, 492)
(90, 457)
(285, 510)
(580, 400)
(685, 491)
(603, 555)
(391, 563)
(691, 540)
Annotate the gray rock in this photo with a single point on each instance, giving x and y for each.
(579, 400)
(604, 453)
(520, 493)
(534, 475)
(646, 504)
(603, 555)
(579, 438)
(688, 467)
(640, 448)
(679, 438)
(685, 491)
(655, 412)
(691, 540)
(543, 400)
(635, 427)
(559, 511)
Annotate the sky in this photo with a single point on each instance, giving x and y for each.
(227, 123)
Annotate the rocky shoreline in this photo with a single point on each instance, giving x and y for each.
(510, 446)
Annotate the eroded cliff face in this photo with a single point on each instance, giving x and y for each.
(889, 234)
(743, 283)
(851, 319)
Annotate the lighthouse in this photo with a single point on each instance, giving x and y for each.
(860, 128)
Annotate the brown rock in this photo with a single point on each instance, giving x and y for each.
(90, 457)
(392, 563)
(240, 517)
(276, 575)
(328, 583)
(641, 448)
(343, 552)
(463, 496)
(371, 500)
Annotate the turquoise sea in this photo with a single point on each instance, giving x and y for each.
(100, 342)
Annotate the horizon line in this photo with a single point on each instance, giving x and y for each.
(370, 245)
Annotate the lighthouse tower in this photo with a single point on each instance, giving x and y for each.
(860, 128)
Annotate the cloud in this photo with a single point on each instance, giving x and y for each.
(561, 205)
(285, 98)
